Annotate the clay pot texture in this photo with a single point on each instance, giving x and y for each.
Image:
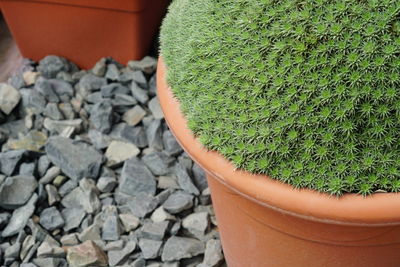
(264, 222)
(83, 31)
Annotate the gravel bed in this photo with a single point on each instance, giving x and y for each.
(90, 175)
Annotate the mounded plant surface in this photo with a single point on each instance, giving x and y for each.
(306, 92)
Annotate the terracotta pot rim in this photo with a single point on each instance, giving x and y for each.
(120, 5)
(350, 209)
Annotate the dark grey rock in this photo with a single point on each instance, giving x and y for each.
(112, 227)
(43, 165)
(158, 162)
(44, 87)
(20, 217)
(50, 250)
(185, 161)
(135, 135)
(51, 65)
(33, 100)
(69, 240)
(139, 78)
(87, 221)
(9, 160)
(106, 184)
(110, 90)
(213, 254)
(153, 85)
(16, 191)
(52, 194)
(27, 169)
(40, 234)
(172, 264)
(50, 262)
(12, 252)
(112, 72)
(76, 76)
(147, 120)
(16, 80)
(67, 110)
(151, 249)
(94, 98)
(90, 233)
(53, 112)
(116, 257)
(205, 197)
(51, 219)
(184, 180)
(138, 263)
(177, 248)
(107, 172)
(154, 135)
(13, 128)
(142, 204)
(89, 83)
(196, 223)
(50, 175)
(147, 64)
(178, 201)
(64, 76)
(67, 187)
(122, 103)
(126, 75)
(42, 195)
(155, 108)
(63, 89)
(164, 195)
(154, 230)
(4, 219)
(76, 159)
(98, 139)
(171, 146)
(114, 245)
(99, 68)
(192, 262)
(140, 94)
(199, 177)
(136, 178)
(101, 116)
(84, 196)
(72, 217)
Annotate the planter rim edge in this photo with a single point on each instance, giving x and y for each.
(124, 5)
(350, 209)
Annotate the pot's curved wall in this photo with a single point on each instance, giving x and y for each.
(84, 31)
(254, 232)
(253, 235)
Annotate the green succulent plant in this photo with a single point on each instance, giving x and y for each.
(305, 91)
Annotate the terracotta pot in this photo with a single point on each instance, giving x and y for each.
(84, 30)
(264, 222)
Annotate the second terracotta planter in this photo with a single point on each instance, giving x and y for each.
(263, 222)
(84, 30)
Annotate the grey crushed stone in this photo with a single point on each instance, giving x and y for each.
(103, 168)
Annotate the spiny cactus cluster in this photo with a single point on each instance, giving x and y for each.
(305, 91)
